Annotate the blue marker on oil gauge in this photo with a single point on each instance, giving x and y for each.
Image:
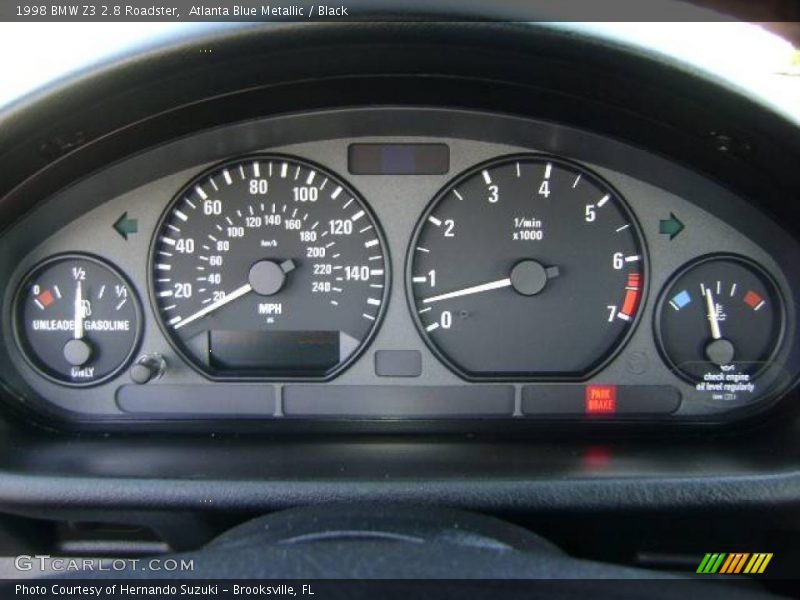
(680, 300)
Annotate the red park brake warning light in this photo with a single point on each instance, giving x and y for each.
(601, 399)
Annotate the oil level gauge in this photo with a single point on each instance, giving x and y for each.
(77, 319)
(720, 321)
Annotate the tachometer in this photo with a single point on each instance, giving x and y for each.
(526, 266)
(269, 267)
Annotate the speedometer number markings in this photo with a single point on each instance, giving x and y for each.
(270, 277)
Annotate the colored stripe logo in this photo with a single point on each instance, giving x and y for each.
(734, 563)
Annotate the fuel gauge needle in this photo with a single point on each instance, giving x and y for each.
(78, 351)
(79, 316)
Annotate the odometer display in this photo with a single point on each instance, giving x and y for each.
(526, 267)
(269, 267)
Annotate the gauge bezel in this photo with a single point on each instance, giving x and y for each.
(598, 365)
(244, 377)
(696, 262)
(18, 330)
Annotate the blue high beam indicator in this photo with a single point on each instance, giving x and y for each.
(680, 300)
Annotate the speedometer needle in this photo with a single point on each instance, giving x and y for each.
(475, 289)
(266, 278)
(234, 295)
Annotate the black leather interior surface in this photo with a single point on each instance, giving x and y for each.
(368, 542)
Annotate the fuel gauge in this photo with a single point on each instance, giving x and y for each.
(719, 323)
(77, 319)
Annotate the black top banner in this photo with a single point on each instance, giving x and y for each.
(376, 10)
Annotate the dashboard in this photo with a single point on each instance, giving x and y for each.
(398, 264)
(515, 268)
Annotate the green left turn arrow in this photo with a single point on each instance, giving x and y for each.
(126, 226)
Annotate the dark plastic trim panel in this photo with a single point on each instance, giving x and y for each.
(773, 492)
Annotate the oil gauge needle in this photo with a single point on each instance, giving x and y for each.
(719, 350)
(713, 319)
(475, 289)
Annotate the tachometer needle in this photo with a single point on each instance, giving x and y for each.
(475, 289)
(713, 318)
(234, 295)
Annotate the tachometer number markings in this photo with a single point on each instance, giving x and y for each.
(543, 273)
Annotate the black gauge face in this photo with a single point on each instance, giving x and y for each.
(269, 267)
(720, 321)
(77, 320)
(526, 267)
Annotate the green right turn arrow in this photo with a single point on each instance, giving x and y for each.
(671, 227)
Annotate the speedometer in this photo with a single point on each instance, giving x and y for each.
(527, 266)
(269, 267)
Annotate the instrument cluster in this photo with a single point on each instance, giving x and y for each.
(398, 277)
